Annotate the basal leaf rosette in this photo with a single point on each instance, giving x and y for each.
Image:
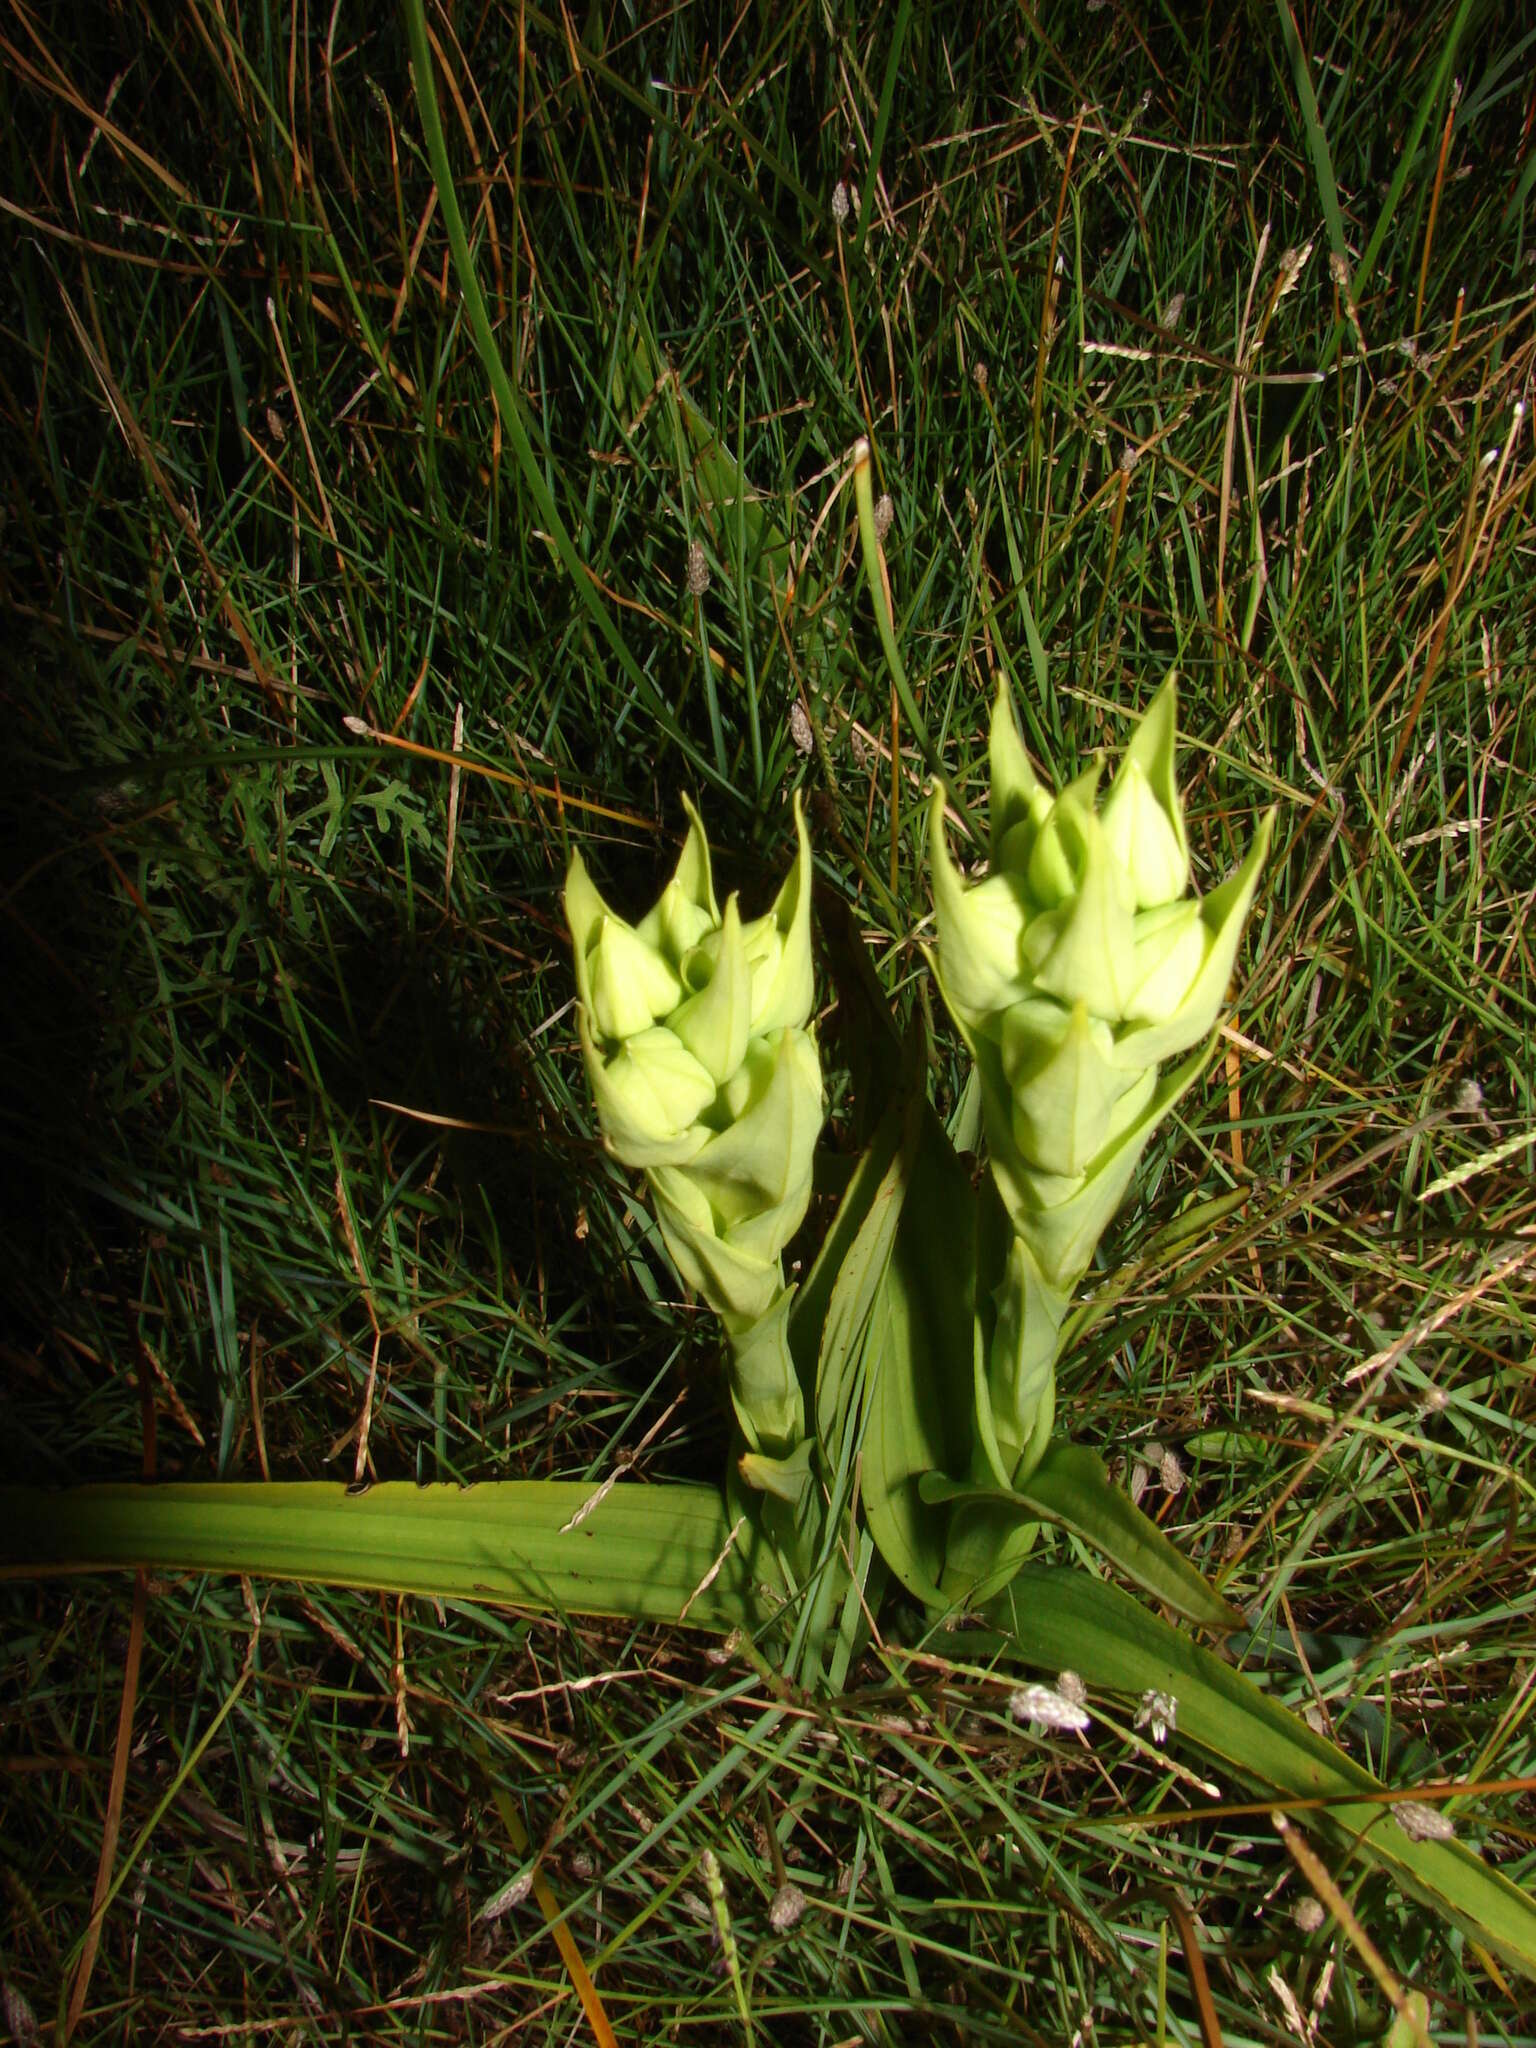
(695, 1031)
(1075, 968)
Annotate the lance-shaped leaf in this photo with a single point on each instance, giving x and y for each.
(1019, 1389)
(835, 1303)
(557, 1546)
(922, 1337)
(1223, 913)
(1172, 944)
(1018, 797)
(980, 929)
(1065, 1084)
(715, 1022)
(584, 912)
(686, 909)
(739, 1285)
(765, 1391)
(1062, 1233)
(1070, 1486)
(1081, 951)
(1056, 856)
(756, 1173)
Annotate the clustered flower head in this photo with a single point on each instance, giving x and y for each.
(695, 1030)
(1074, 969)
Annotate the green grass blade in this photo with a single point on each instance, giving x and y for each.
(883, 120)
(508, 403)
(1317, 137)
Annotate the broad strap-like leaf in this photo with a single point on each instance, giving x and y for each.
(918, 1387)
(864, 1259)
(656, 1553)
(883, 1077)
(1071, 1486)
(1054, 1620)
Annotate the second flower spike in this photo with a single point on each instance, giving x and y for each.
(1074, 968)
(696, 1035)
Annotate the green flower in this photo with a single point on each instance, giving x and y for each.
(1074, 969)
(695, 1031)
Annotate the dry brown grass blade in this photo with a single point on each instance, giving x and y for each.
(549, 1905)
(1199, 1982)
(1320, 1878)
(112, 1823)
(122, 1749)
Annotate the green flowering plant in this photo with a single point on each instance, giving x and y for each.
(696, 1035)
(896, 1410)
(1074, 970)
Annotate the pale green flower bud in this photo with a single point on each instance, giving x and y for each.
(714, 1022)
(631, 985)
(1064, 1082)
(979, 933)
(1077, 959)
(1170, 946)
(778, 949)
(1080, 952)
(650, 1093)
(730, 1210)
(1143, 818)
(695, 1031)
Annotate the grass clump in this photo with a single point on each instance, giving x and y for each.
(1178, 345)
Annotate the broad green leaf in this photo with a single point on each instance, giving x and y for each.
(1071, 1486)
(645, 1552)
(863, 1262)
(1058, 1620)
(918, 1387)
(874, 1055)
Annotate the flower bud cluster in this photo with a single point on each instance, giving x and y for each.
(1074, 970)
(695, 1030)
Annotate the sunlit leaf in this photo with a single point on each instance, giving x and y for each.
(1071, 1486)
(1059, 1620)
